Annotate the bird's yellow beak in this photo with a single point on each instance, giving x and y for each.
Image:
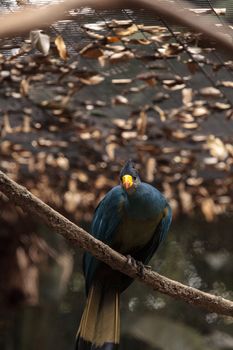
(127, 181)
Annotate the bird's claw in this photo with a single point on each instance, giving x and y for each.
(137, 265)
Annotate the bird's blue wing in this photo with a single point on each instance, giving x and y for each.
(106, 219)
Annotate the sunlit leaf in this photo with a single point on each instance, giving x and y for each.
(61, 46)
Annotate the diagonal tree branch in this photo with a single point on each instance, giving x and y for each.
(58, 223)
(37, 17)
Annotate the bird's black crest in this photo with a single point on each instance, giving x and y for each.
(129, 169)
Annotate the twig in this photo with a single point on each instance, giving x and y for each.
(58, 223)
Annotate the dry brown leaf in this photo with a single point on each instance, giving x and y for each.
(71, 200)
(165, 37)
(179, 134)
(26, 127)
(121, 56)
(222, 106)
(200, 112)
(6, 128)
(81, 176)
(120, 22)
(216, 147)
(210, 91)
(61, 47)
(150, 169)
(120, 100)
(146, 75)
(121, 81)
(192, 66)
(94, 35)
(122, 123)
(153, 29)
(62, 162)
(210, 160)
(177, 86)
(138, 88)
(91, 51)
(161, 113)
(190, 125)
(112, 39)
(194, 181)
(208, 208)
(209, 11)
(40, 41)
(229, 148)
(173, 84)
(170, 50)
(186, 117)
(140, 41)
(92, 80)
(110, 150)
(5, 74)
(24, 87)
(185, 199)
(194, 50)
(227, 83)
(115, 48)
(129, 135)
(126, 31)
(142, 123)
(187, 95)
(199, 138)
(94, 26)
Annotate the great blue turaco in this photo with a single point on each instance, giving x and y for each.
(133, 218)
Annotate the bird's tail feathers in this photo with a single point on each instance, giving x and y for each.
(100, 324)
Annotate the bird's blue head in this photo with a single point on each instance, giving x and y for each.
(129, 177)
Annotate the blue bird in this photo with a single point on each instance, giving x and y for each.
(133, 218)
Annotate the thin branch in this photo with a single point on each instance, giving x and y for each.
(58, 223)
(37, 17)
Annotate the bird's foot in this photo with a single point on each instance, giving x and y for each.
(137, 265)
(131, 261)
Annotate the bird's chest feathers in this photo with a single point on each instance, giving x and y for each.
(138, 225)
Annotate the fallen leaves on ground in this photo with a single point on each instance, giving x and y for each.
(125, 90)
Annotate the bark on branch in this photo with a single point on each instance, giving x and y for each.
(37, 17)
(58, 223)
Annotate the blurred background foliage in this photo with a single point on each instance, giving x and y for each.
(195, 254)
(127, 89)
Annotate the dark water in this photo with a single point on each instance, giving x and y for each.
(196, 253)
